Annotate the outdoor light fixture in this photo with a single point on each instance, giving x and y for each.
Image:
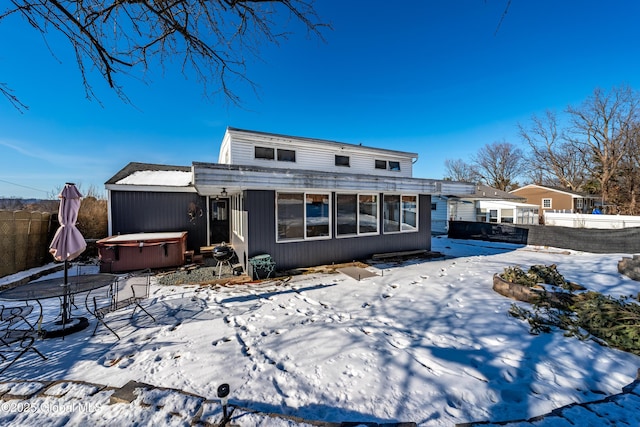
(222, 194)
(223, 394)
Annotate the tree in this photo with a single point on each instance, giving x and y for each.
(624, 191)
(459, 170)
(499, 164)
(210, 38)
(553, 159)
(603, 130)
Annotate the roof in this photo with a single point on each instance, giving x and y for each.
(147, 175)
(298, 139)
(488, 193)
(558, 190)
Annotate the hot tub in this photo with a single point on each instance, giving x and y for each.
(138, 251)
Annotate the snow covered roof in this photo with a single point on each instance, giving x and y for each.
(171, 178)
(150, 177)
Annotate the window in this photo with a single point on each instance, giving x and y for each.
(391, 165)
(290, 207)
(342, 160)
(579, 203)
(302, 216)
(368, 214)
(317, 219)
(434, 206)
(356, 214)
(400, 213)
(347, 214)
(409, 213)
(286, 155)
(237, 208)
(391, 213)
(493, 215)
(506, 216)
(546, 203)
(264, 153)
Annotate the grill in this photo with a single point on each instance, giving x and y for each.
(222, 253)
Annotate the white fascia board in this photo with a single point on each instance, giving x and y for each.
(457, 188)
(151, 188)
(209, 178)
(555, 190)
(497, 203)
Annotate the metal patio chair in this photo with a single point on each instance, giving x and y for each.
(127, 291)
(12, 349)
(12, 316)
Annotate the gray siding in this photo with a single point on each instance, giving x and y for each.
(147, 212)
(262, 228)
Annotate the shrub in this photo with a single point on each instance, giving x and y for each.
(92, 218)
(609, 321)
(538, 274)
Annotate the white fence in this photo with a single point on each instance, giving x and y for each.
(575, 220)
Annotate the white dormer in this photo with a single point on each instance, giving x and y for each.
(242, 147)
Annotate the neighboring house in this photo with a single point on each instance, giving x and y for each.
(486, 204)
(551, 199)
(304, 201)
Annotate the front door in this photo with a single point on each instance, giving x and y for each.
(219, 221)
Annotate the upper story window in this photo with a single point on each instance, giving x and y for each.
(286, 155)
(269, 153)
(390, 165)
(342, 160)
(264, 153)
(546, 203)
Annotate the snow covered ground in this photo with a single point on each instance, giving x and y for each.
(427, 341)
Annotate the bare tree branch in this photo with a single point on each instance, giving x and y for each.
(603, 128)
(211, 38)
(499, 164)
(553, 160)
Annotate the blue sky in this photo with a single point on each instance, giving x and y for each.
(432, 77)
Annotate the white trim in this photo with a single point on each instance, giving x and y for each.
(305, 238)
(151, 188)
(401, 195)
(574, 195)
(358, 233)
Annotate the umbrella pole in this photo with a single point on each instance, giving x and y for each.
(65, 299)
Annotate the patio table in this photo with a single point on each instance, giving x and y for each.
(56, 288)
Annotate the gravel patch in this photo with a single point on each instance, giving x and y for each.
(200, 275)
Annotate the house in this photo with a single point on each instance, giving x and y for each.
(551, 199)
(486, 204)
(304, 201)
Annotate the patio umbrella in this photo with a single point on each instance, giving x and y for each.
(68, 242)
